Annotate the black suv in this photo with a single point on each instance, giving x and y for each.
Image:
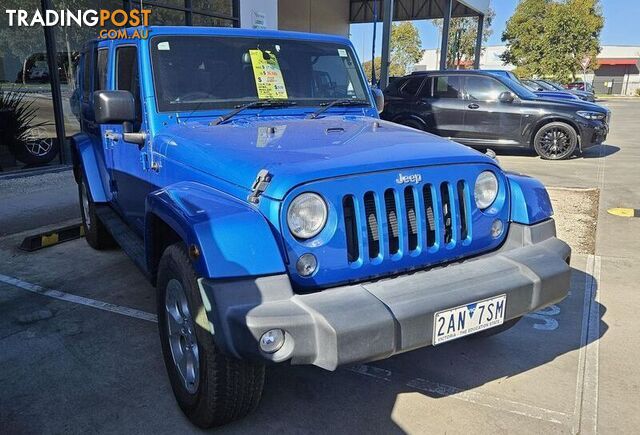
(481, 109)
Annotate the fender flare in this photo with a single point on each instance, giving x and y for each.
(84, 159)
(533, 128)
(233, 239)
(530, 202)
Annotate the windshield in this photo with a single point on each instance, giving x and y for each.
(216, 72)
(544, 85)
(555, 85)
(520, 89)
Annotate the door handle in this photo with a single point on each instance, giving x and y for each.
(473, 106)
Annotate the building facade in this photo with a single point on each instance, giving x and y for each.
(618, 71)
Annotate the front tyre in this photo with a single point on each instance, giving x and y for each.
(212, 389)
(555, 141)
(413, 124)
(95, 232)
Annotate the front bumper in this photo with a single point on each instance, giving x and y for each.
(374, 320)
(593, 133)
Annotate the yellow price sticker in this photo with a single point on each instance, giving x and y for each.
(268, 76)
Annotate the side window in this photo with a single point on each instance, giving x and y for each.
(86, 74)
(127, 77)
(411, 86)
(334, 77)
(483, 88)
(101, 75)
(447, 87)
(425, 91)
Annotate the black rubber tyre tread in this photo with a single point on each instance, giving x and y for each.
(97, 236)
(572, 133)
(412, 123)
(23, 155)
(228, 388)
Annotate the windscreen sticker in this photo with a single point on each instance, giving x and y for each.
(342, 52)
(164, 46)
(269, 81)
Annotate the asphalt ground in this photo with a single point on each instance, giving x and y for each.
(79, 350)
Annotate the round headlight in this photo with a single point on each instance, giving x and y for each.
(307, 215)
(486, 189)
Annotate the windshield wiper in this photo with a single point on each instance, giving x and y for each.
(256, 103)
(340, 102)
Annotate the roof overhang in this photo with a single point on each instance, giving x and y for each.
(619, 61)
(361, 11)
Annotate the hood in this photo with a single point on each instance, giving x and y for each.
(556, 94)
(295, 151)
(570, 104)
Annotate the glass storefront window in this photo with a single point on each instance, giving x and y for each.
(165, 17)
(205, 20)
(25, 79)
(221, 7)
(27, 126)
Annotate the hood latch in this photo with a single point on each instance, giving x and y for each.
(259, 186)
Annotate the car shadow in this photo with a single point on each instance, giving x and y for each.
(599, 152)
(596, 152)
(365, 399)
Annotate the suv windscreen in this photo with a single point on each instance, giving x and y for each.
(210, 72)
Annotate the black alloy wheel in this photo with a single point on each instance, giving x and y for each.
(555, 141)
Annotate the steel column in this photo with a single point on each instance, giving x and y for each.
(445, 34)
(478, 51)
(387, 20)
(56, 94)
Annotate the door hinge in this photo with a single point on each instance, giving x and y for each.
(113, 186)
(259, 186)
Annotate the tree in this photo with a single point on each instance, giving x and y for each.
(395, 70)
(405, 49)
(406, 46)
(462, 38)
(553, 38)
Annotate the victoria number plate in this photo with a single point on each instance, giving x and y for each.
(467, 319)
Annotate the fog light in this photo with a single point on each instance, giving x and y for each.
(272, 340)
(306, 265)
(496, 228)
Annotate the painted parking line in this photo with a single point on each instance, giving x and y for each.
(586, 400)
(68, 297)
(475, 397)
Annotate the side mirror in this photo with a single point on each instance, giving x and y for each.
(117, 107)
(506, 97)
(114, 107)
(379, 97)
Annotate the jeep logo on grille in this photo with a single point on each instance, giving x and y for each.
(405, 179)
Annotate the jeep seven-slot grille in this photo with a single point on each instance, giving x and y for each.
(404, 219)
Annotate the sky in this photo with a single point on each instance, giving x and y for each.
(620, 27)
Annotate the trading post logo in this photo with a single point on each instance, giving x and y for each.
(112, 24)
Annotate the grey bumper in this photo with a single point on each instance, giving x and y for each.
(374, 320)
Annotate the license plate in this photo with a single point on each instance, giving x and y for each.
(467, 319)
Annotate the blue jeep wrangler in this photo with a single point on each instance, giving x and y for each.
(249, 177)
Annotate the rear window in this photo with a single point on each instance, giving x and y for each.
(411, 87)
